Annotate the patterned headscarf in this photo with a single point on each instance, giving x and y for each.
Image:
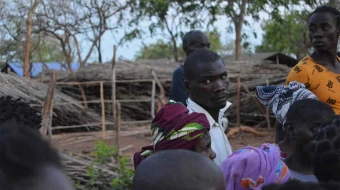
(252, 167)
(174, 128)
(280, 98)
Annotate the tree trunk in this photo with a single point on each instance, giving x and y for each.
(174, 43)
(28, 38)
(99, 51)
(238, 41)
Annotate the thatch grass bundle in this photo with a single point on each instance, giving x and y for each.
(34, 93)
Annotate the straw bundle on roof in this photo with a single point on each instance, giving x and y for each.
(34, 92)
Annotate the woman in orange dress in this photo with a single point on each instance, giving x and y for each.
(320, 72)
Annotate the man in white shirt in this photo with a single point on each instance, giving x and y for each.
(207, 82)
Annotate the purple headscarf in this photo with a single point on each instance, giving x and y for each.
(252, 167)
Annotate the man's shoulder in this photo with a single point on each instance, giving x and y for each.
(178, 72)
(179, 69)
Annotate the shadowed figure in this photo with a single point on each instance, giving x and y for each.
(27, 162)
(178, 169)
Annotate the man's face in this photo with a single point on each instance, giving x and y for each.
(196, 41)
(208, 85)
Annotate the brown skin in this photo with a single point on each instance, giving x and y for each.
(208, 87)
(324, 34)
(296, 143)
(203, 146)
(196, 40)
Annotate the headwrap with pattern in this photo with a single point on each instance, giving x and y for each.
(279, 98)
(252, 167)
(174, 128)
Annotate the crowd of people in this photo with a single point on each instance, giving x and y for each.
(306, 153)
(190, 150)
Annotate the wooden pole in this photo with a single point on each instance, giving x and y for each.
(153, 98)
(161, 101)
(254, 98)
(47, 108)
(267, 110)
(113, 87)
(50, 133)
(238, 104)
(103, 110)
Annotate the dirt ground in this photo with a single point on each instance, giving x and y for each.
(138, 141)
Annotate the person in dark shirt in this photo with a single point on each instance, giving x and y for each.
(192, 41)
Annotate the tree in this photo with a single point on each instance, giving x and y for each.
(70, 21)
(168, 19)
(238, 11)
(290, 36)
(158, 50)
(28, 36)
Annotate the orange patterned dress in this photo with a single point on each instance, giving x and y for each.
(318, 79)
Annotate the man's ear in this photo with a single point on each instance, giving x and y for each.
(290, 131)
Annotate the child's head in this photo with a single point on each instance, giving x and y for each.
(22, 112)
(27, 161)
(304, 118)
(178, 169)
(325, 151)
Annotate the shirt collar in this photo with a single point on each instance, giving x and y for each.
(197, 108)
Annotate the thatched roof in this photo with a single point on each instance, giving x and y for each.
(34, 92)
(252, 74)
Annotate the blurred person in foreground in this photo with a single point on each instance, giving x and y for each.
(178, 170)
(27, 162)
(252, 167)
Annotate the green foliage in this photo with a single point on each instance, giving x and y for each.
(46, 49)
(158, 50)
(238, 12)
(161, 49)
(124, 180)
(215, 40)
(288, 36)
(103, 155)
(166, 18)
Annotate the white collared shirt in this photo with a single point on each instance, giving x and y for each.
(219, 141)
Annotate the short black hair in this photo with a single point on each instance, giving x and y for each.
(197, 57)
(325, 151)
(328, 9)
(177, 169)
(20, 111)
(23, 154)
(185, 38)
(309, 111)
(294, 184)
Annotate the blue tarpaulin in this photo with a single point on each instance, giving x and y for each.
(37, 67)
